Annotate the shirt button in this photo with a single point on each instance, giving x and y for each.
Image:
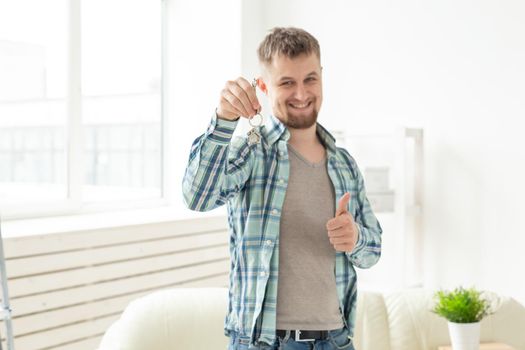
(268, 242)
(281, 181)
(263, 273)
(275, 211)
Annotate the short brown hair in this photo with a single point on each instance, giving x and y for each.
(290, 42)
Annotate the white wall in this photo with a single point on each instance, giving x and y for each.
(457, 69)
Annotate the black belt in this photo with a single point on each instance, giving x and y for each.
(299, 335)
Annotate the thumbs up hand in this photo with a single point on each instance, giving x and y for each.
(342, 230)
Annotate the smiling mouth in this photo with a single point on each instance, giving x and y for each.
(300, 105)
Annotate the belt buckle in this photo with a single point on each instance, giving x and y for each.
(298, 337)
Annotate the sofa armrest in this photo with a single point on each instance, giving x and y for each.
(413, 326)
(184, 318)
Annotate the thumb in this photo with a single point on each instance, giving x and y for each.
(342, 207)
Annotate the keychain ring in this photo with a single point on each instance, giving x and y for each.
(255, 117)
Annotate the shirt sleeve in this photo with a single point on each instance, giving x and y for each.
(368, 247)
(218, 167)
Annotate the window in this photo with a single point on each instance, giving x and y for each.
(80, 104)
(121, 99)
(33, 89)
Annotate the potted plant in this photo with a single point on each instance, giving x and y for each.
(464, 309)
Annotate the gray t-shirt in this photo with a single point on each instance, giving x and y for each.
(306, 293)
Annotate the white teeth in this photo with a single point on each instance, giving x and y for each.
(300, 106)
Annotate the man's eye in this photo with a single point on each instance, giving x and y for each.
(287, 83)
(310, 79)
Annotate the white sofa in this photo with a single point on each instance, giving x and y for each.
(193, 319)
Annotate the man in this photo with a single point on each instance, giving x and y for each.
(297, 209)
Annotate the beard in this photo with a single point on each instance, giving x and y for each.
(299, 120)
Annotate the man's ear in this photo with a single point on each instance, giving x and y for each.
(262, 85)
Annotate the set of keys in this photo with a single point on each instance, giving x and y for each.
(254, 136)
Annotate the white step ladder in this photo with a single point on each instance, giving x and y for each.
(6, 309)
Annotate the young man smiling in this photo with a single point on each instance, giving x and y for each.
(299, 218)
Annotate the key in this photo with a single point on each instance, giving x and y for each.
(254, 136)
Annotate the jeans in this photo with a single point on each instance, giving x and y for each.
(337, 339)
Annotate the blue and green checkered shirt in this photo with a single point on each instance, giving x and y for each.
(252, 180)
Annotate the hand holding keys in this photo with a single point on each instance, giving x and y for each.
(238, 98)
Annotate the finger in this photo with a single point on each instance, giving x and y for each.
(227, 111)
(342, 207)
(340, 240)
(340, 232)
(339, 222)
(242, 95)
(250, 92)
(344, 247)
(232, 104)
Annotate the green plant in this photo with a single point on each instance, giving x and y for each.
(461, 305)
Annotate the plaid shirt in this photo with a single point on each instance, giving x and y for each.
(252, 180)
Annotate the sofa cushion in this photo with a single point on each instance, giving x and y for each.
(371, 329)
(412, 325)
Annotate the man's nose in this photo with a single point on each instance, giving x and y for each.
(300, 92)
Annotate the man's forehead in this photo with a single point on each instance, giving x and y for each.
(283, 66)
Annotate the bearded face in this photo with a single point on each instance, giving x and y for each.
(294, 87)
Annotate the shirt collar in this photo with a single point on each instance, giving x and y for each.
(275, 130)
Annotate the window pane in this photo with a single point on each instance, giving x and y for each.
(33, 69)
(121, 104)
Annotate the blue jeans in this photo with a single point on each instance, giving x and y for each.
(337, 339)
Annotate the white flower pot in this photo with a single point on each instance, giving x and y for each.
(464, 336)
